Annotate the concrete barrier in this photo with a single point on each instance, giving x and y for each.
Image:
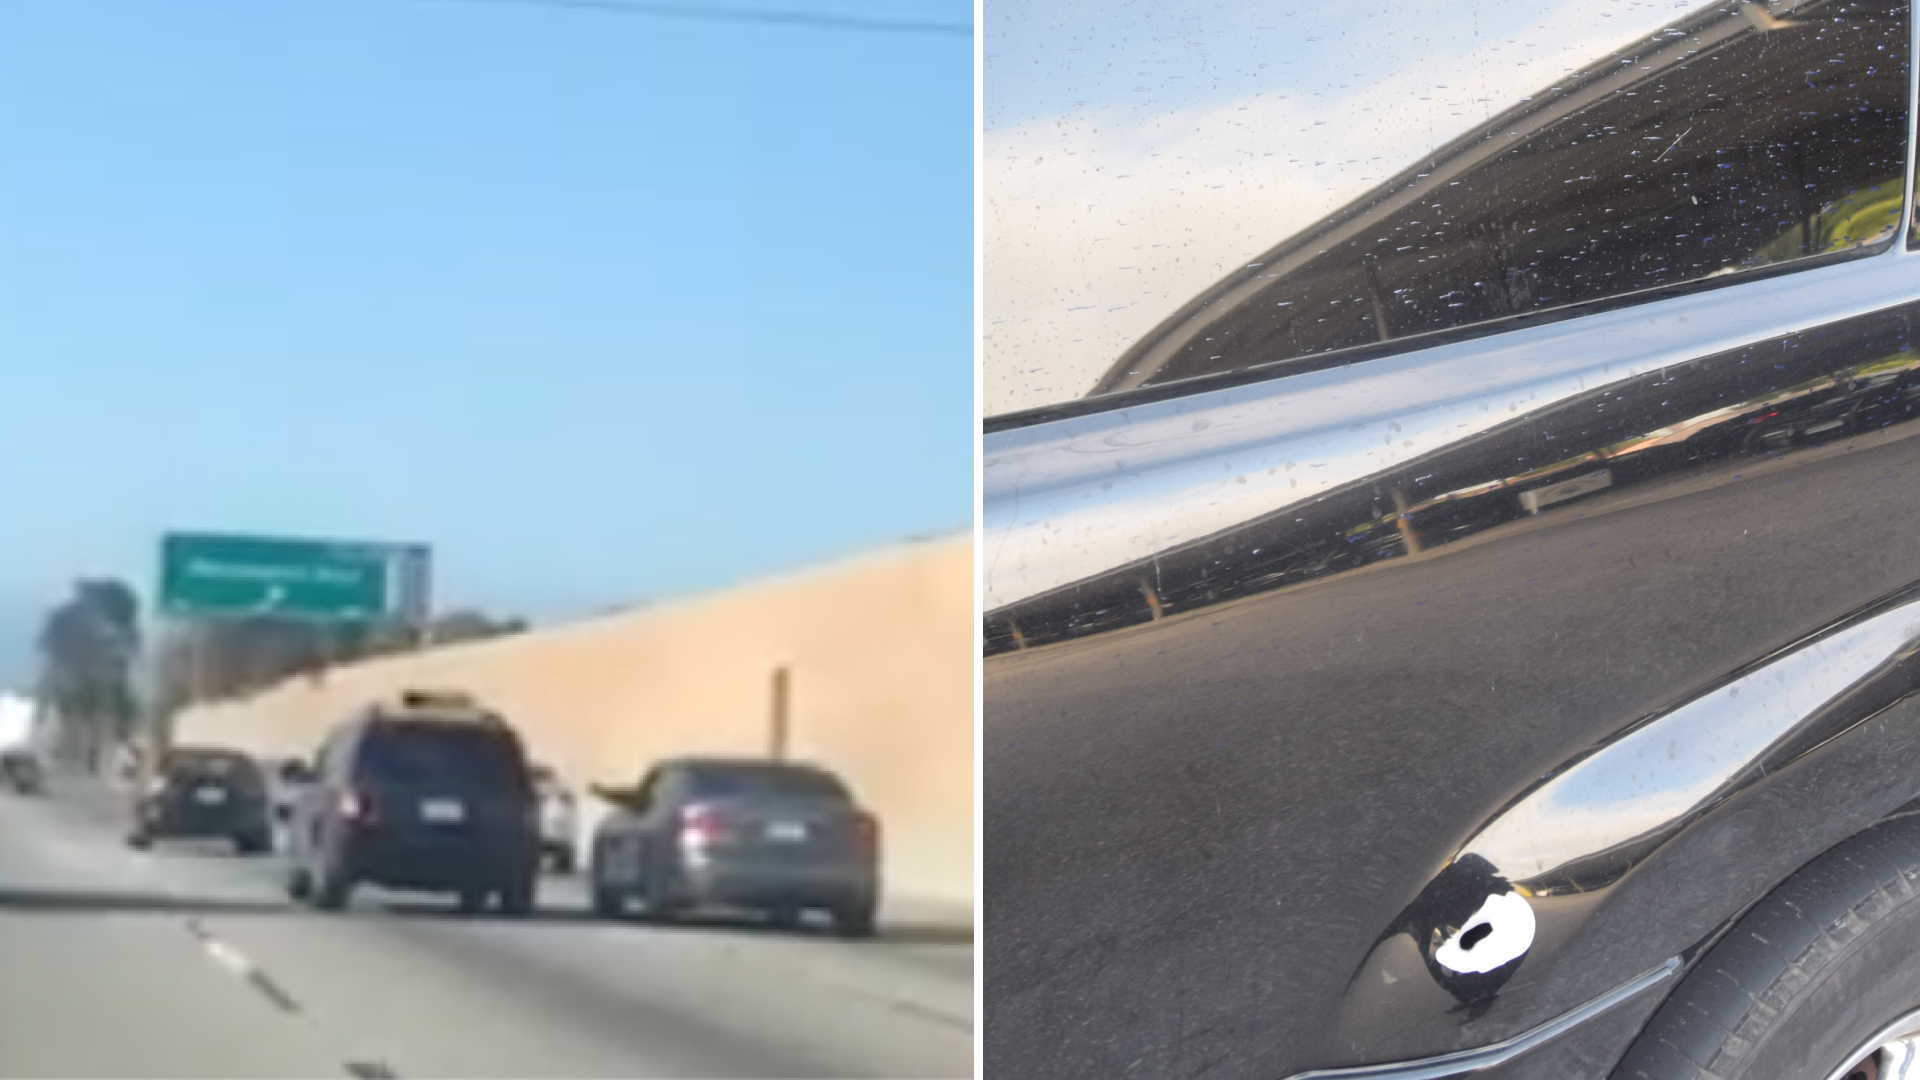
(880, 651)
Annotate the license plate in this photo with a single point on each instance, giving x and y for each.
(442, 810)
(210, 796)
(787, 830)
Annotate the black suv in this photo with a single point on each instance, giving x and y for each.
(434, 795)
(199, 793)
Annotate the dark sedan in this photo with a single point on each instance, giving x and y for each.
(777, 837)
(22, 771)
(205, 794)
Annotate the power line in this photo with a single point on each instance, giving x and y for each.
(811, 20)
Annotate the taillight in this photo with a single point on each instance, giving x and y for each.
(356, 807)
(866, 831)
(702, 825)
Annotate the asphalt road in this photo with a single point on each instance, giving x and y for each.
(188, 962)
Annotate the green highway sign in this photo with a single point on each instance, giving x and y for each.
(206, 576)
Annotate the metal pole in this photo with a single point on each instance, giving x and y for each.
(780, 721)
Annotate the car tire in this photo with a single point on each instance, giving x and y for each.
(298, 884)
(332, 888)
(855, 921)
(519, 897)
(660, 906)
(608, 902)
(139, 841)
(251, 844)
(1805, 978)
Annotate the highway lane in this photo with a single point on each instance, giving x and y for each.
(186, 961)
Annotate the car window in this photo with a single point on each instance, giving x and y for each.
(1724, 143)
(235, 767)
(456, 754)
(746, 781)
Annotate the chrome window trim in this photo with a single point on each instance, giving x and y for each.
(1465, 1062)
(1070, 498)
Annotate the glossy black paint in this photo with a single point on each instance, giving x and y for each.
(1209, 834)
(1233, 790)
(1629, 631)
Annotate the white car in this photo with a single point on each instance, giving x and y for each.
(559, 821)
(286, 780)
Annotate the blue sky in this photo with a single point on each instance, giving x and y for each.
(603, 306)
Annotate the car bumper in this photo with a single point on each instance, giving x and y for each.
(756, 886)
(438, 865)
(198, 824)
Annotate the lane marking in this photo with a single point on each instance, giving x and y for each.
(79, 833)
(237, 964)
(802, 963)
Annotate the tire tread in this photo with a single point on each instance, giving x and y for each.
(1716, 1023)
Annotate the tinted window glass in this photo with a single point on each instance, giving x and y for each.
(454, 754)
(745, 781)
(1730, 142)
(193, 765)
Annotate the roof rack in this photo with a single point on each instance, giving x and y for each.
(440, 703)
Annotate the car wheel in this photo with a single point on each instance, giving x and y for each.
(854, 920)
(659, 904)
(609, 902)
(251, 844)
(332, 888)
(139, 841)
(1812, 983)
(298, 884)
(518, 898)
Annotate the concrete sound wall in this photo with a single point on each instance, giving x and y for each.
(881, 652)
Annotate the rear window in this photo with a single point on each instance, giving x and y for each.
(235, 767)
(458, 754)
(766, 781)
